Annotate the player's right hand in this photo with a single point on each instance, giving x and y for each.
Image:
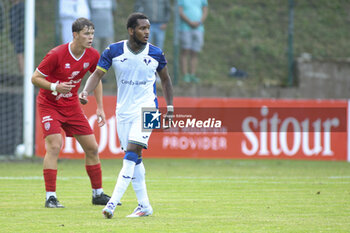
(64, 87)
(83, 97)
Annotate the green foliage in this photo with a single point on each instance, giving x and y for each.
(249, 35)
(186, 195)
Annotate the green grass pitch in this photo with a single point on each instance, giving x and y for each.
(187, 196)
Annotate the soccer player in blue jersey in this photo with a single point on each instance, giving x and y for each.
(135, 62)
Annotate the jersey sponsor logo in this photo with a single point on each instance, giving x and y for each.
(151, 119)
(130, 82)
(123, 60)
(86, 65)
(47, 126)
(76, 81)
(67, 95)
(67, 66)
(74, 74)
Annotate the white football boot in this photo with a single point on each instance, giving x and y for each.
(141, 211)
(108, 211)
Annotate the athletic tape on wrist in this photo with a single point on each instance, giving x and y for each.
(53, 86)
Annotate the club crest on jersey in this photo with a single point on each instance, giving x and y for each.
(147, 61)
(67, 66)
(47, 126)
(86, 65)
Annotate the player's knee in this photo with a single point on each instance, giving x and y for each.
(131, 156)
(53, 144)
(137, 149)
(91, 151)
(53, 149)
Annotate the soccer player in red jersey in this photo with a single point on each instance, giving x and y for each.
(59, 76)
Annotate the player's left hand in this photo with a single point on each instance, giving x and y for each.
(101, 117)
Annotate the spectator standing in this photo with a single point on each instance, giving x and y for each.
(103, 19)
(193, 15)
(69, 11)
(158, 12)
(17, 31)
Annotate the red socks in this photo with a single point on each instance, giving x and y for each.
(50, 179)
(95, 174)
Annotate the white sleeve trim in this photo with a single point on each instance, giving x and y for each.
(41, 72)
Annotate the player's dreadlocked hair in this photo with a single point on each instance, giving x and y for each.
(132, 19)
(80, 23)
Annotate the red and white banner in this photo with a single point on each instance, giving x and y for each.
(245, 128)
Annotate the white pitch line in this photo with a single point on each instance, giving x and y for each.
(224, 179)
(258, 177)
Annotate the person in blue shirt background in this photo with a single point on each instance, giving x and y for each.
(193, 15)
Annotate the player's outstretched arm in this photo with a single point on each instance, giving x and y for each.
(91, 85)
(101, 116)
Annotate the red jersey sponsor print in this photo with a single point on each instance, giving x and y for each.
(59, 65)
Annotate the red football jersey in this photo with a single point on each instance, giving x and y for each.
(60, 65)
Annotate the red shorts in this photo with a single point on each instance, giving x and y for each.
(71, 119)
